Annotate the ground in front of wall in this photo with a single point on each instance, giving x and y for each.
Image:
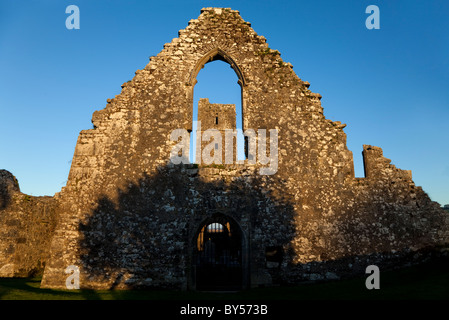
(428, 281)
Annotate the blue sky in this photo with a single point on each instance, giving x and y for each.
(390, 86)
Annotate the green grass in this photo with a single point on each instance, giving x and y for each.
(428, 281)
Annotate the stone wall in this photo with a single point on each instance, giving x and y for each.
(128, 217)
(312, 210)
(27, 226)
(382, 219)
(147, 237)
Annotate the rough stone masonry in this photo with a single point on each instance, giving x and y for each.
(129, 218)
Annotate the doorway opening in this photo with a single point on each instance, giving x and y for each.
(217, 257)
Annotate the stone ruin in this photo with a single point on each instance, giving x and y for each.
(128, 217)
(220, 117)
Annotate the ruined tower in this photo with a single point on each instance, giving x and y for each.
(129, 217)
(221, 117)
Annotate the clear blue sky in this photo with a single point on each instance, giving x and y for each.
(390, 86)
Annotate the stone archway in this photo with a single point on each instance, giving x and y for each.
(219, 255)
(216, 54)
(213, 55)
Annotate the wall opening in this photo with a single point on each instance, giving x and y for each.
(218, 255)
(220, 83)
(273, 256)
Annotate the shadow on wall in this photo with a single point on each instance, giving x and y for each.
(5, 197)
(147, 236)
(8, 184)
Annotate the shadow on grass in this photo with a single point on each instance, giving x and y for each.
(429, 281)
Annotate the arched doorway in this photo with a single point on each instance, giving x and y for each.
(218, 255)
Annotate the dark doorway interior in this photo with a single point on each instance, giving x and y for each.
(218, 256)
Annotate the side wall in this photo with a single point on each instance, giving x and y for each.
(26, 227)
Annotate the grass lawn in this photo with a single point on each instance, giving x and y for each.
(424, 282)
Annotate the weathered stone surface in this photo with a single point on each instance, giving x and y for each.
(27, 225)
(219, 117)
(129, 218)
